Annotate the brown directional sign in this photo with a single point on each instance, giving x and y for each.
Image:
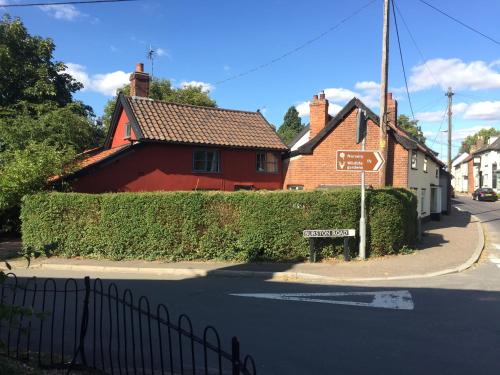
(354, 160)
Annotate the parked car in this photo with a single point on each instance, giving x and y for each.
(485, 194)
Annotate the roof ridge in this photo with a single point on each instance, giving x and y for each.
(191, 105)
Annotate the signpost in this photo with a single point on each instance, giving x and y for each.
(360, 161)
(328, 233)
(355, 160)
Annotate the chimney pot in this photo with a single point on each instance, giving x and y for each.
(322, 95)
(315, 97)
(139, 68)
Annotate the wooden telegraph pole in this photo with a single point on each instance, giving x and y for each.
(449, 94)
(383, 94)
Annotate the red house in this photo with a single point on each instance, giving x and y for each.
(153, 145)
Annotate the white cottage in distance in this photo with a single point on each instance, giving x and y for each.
(479, 169)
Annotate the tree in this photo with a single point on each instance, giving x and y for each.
(161, 89)
(60, 128)
(411, 127)
(291, 126)
(27, 71)
(41, 126)
(471, 140)
(27, 171)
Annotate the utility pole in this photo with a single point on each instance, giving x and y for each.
(449, 94)
(383, 94)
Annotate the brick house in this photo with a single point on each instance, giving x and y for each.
(311, 162)
(153, 145)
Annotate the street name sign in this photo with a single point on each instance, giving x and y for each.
(313, 233)
(355, 160)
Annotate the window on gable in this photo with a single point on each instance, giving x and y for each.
(413, 159)
(207, 161)
(425, 164)
(437, 172)
(267, 162)
(127, 130)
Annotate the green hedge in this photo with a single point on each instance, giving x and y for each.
(240, 226)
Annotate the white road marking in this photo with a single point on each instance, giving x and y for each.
(397, 300)
(458, 208)
(494, 259)
(496, 246)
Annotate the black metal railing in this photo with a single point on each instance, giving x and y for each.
(85, 324)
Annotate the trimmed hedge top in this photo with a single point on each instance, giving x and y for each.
(240, 226)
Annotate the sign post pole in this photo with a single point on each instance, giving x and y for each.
(362, 220)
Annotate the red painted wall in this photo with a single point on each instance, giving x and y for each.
(119, 134)
(156, 167)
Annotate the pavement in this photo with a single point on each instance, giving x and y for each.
(448, 246)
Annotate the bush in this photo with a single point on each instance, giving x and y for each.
(241, 226)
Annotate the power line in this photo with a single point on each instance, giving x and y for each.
(460, 22)
(416, 45)
(63, 3)
(402, 61)
(298, 48)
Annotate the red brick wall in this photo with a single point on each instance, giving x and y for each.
(156, 167)
(318, 169)
(119, 134)
(470, 178)
(397, 164)
(318, 114)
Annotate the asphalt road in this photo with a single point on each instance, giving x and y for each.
(452, 328)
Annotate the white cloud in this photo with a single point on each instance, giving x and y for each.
(367, 85)
(437, 116)
(303, 108)
(161, 52)
(205, 87)
(486, 111)
(475, 75)
(339, 94)
(62, 12)
(368, 92)
(106, 84)
(461, 134)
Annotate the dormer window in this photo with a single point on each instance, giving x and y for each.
(127, 130)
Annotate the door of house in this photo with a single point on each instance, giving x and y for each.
(436, 202)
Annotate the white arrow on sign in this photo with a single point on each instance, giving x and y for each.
(387, 299)
(380, 161)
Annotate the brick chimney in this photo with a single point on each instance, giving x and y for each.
(139, 82)
(318, 114)
(392, 110)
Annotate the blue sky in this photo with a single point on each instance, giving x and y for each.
(209, 41)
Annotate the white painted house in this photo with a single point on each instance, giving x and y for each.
(460, 173)
(486, 161)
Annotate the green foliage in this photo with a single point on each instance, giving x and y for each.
(391, 221)
(411, 127)
(240, 226)
(291, 126)
(27, 72)
(26, 172)
(472, 139)
(161, 89)
(58, 127)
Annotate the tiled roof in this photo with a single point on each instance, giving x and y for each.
(91, 157)
(162, 121)
(98, 156)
